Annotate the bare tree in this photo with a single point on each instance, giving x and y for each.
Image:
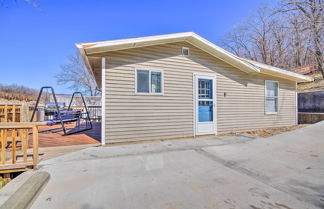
(312, 14)
(261, 38)
(288, 36)
(76, 75)
(297, 40)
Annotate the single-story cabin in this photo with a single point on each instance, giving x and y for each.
(181, 85)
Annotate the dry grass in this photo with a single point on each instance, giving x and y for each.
(16, 92)
(268, 132)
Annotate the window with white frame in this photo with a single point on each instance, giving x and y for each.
(149, 81)
(271, 97)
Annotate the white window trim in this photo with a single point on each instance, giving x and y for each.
(150, 86)
(186, 49)
(265, 97)
(296, 102)
(103, 101)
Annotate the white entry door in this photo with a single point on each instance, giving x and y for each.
(205, 103)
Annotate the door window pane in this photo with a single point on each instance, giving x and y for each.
(205, 89)
(156, 82)
(205, 111)
(143, 81)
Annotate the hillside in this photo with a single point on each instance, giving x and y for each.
(18, 93)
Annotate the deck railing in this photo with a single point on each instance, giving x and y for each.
(10, 113)
(94, 112)
(19, 146)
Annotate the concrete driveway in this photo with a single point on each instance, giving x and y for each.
(281, 172)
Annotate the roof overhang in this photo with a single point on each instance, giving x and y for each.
(86, 61)
(278, 72)
(248, 66)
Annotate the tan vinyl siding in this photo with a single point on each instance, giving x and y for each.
(131, 116)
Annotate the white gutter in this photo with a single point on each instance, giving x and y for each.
(280, 71)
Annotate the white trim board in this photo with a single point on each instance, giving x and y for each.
(296, 101)
(103, 101)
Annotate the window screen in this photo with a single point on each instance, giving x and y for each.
(143, 85)
(156, 82)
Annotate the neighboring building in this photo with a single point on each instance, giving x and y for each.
(181, 85)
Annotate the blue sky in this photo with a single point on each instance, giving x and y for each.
(36, 41)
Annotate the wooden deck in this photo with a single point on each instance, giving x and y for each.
(15, 155)
(22, 146)
(56, 139)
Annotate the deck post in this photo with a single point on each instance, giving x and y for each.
(13, 145)
(3, 136)
(103, 100)
(35, 146)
